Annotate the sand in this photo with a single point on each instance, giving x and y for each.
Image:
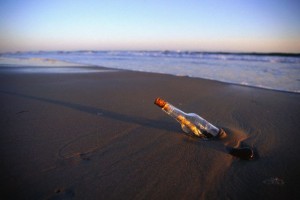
(99, 136)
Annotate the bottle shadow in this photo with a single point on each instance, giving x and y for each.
(158, 124)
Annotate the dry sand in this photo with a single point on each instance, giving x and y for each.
(99, 136)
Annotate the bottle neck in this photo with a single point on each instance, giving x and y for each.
(169, 108)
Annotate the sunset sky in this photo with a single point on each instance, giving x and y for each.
(202, 25)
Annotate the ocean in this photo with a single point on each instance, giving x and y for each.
(275, 71)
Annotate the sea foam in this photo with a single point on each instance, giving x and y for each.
(272, 71)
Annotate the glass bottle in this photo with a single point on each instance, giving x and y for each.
(191, 122)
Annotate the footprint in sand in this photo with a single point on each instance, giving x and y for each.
(62, 194)
(80, 149)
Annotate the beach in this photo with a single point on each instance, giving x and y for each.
(99, 136)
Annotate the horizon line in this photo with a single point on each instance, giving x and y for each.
(273, 53)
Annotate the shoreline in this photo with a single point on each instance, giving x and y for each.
(270, 80)
(19, 68)
(99, 135)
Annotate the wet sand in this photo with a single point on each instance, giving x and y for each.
(99, 136)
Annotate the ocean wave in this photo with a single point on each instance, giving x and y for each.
(273, 71)
(253, 57)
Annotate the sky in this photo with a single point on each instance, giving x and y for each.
(201, 25)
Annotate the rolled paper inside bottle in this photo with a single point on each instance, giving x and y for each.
(183, 121)
(160, 102)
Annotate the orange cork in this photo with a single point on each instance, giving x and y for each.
(160, 102)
